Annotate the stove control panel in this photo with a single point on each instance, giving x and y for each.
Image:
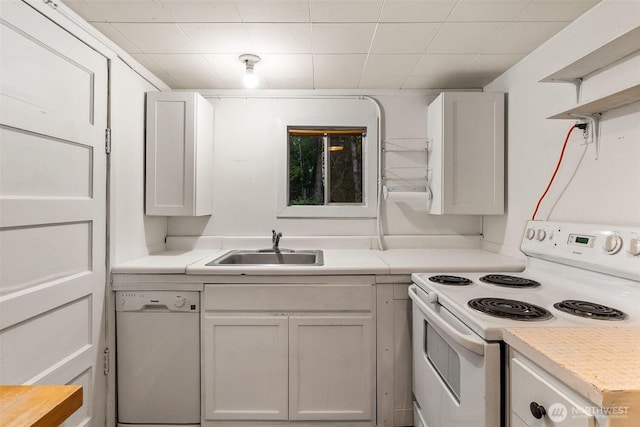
(611, 249)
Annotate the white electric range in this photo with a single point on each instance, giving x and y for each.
(576, 275)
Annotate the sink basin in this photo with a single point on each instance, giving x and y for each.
(252, 257)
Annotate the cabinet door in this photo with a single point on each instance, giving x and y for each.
(467, 157)
(179, 154)
(245, 368)
(331, 368)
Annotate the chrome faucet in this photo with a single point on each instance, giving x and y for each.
(275, 240)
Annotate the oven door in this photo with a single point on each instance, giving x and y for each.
(456, 374)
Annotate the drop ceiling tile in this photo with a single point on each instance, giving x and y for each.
(279, 65)
(342, 38)
(84, 10)
(150, 65)
(218, 37)
(290, 82)
(555, 10)
(470, 80)
(486, 11)
(337, 71)
(189, 71)
(116, 36)
(156, 38)
(435, 70)
(403, 38)
(493, 63)
(390, 65)
(427, 81)
(131, 11)
(432, 64)
(387, 71)
(273, 10)
(227, 65)
(372, 81)
(416, 10)
(345, 11)
(467, 37)
(202, 11)
(523, 37)
(280, 38)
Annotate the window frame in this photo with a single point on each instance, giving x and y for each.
(361, 118)
(326, 133)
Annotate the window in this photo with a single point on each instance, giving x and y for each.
(325, 166)
(327, 157)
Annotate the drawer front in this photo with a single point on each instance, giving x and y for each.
(289, 297)
(528, 387)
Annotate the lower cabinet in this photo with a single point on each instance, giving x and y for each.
(246, 368)
(536, 398)
(330, 368)
(290, 357)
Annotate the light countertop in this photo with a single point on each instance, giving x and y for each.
(600, 363)
(336, 261)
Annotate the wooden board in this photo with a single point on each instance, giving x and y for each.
(38, 405)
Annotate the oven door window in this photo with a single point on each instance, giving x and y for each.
(444, 359)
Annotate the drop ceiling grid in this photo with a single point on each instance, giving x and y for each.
(391, 44)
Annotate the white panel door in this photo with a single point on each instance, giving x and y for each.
(53, 100)
(331, 368)
(245, 367)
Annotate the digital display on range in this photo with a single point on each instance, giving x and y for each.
(581, 240)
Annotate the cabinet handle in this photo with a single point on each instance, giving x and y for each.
(537, 411)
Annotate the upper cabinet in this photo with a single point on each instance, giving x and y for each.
(466, 161)
(179, 175)
(614, 52)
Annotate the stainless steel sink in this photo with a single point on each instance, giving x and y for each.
(264, 257)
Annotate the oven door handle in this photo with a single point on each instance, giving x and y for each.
(470, 342)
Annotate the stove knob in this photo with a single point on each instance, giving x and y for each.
(541, 234)
(180, 302)
(432, 297)
(634, 247)
(530, 234)
(612, 244)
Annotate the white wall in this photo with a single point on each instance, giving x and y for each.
(246, 171)
(133, 233)
(603, 191)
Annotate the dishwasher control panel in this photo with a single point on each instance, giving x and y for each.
(160, 301)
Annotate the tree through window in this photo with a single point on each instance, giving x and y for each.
(325, 166)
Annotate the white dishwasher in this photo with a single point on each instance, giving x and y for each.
(158, 358)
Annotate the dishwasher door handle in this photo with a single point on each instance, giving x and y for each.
(155, 307)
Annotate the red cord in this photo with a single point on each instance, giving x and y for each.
(533, 217)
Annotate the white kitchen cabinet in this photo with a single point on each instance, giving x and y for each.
(179, 154)
(297, 352)
(331, 361)
(466, 158)
(536, 398)
(246, 368)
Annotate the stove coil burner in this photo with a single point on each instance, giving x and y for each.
(590, 310)
(509, 281)
(509, 309)
(450, 280)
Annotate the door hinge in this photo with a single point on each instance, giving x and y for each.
(107, 141)
(106, 361)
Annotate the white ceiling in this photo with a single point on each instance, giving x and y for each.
(330, 44)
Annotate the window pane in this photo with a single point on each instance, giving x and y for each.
(306, 170)
(345, 164)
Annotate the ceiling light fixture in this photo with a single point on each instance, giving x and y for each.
(250, 79)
